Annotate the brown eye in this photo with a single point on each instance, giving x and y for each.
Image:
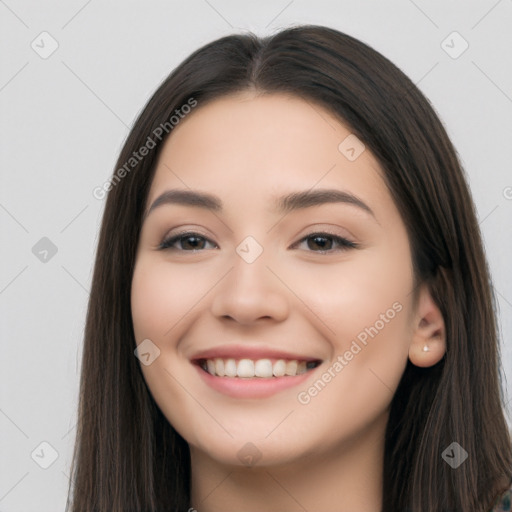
(189, 241)
(323, 242)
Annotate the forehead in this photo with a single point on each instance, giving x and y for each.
(246, 146)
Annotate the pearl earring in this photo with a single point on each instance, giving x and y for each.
(425, 348)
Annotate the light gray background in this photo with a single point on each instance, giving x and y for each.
(64, 118)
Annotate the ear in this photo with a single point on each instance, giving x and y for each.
(428, 344)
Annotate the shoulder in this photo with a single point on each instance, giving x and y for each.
(504, 502)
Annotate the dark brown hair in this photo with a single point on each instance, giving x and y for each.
(129, 458)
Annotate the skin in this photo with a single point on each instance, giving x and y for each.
(326, 454)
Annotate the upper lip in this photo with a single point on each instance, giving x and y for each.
(247, 352)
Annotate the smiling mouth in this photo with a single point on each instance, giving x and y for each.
(256, 368)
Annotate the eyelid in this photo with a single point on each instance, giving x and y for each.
(185, 231)
(175, 236)
(329, 229)
(343, 242)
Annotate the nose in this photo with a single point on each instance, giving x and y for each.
(250, 292)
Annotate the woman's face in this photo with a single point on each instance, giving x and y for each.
(264, 285)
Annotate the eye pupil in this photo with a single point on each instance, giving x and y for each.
(321, 244)
(318, 242)
(193, 237)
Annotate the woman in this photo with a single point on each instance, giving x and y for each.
(291, 307)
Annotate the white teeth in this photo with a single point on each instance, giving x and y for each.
(210, 366)
(245, 368)
(279, 369)
(291, 367)
(229, 368)
(219, 367)
(262, 368)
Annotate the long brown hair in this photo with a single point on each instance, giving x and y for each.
(128, 457)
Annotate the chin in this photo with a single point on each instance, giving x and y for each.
(250, 454)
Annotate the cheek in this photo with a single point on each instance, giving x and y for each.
(352, 295)
(160, 297)
(365, 305)
(369, 314)
(149, 299)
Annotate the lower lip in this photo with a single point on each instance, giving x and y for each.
(252, 388)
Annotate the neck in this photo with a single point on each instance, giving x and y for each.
(343, 478)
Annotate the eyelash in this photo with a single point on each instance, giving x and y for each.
(345, 244)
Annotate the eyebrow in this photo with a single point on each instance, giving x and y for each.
(285, 204)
